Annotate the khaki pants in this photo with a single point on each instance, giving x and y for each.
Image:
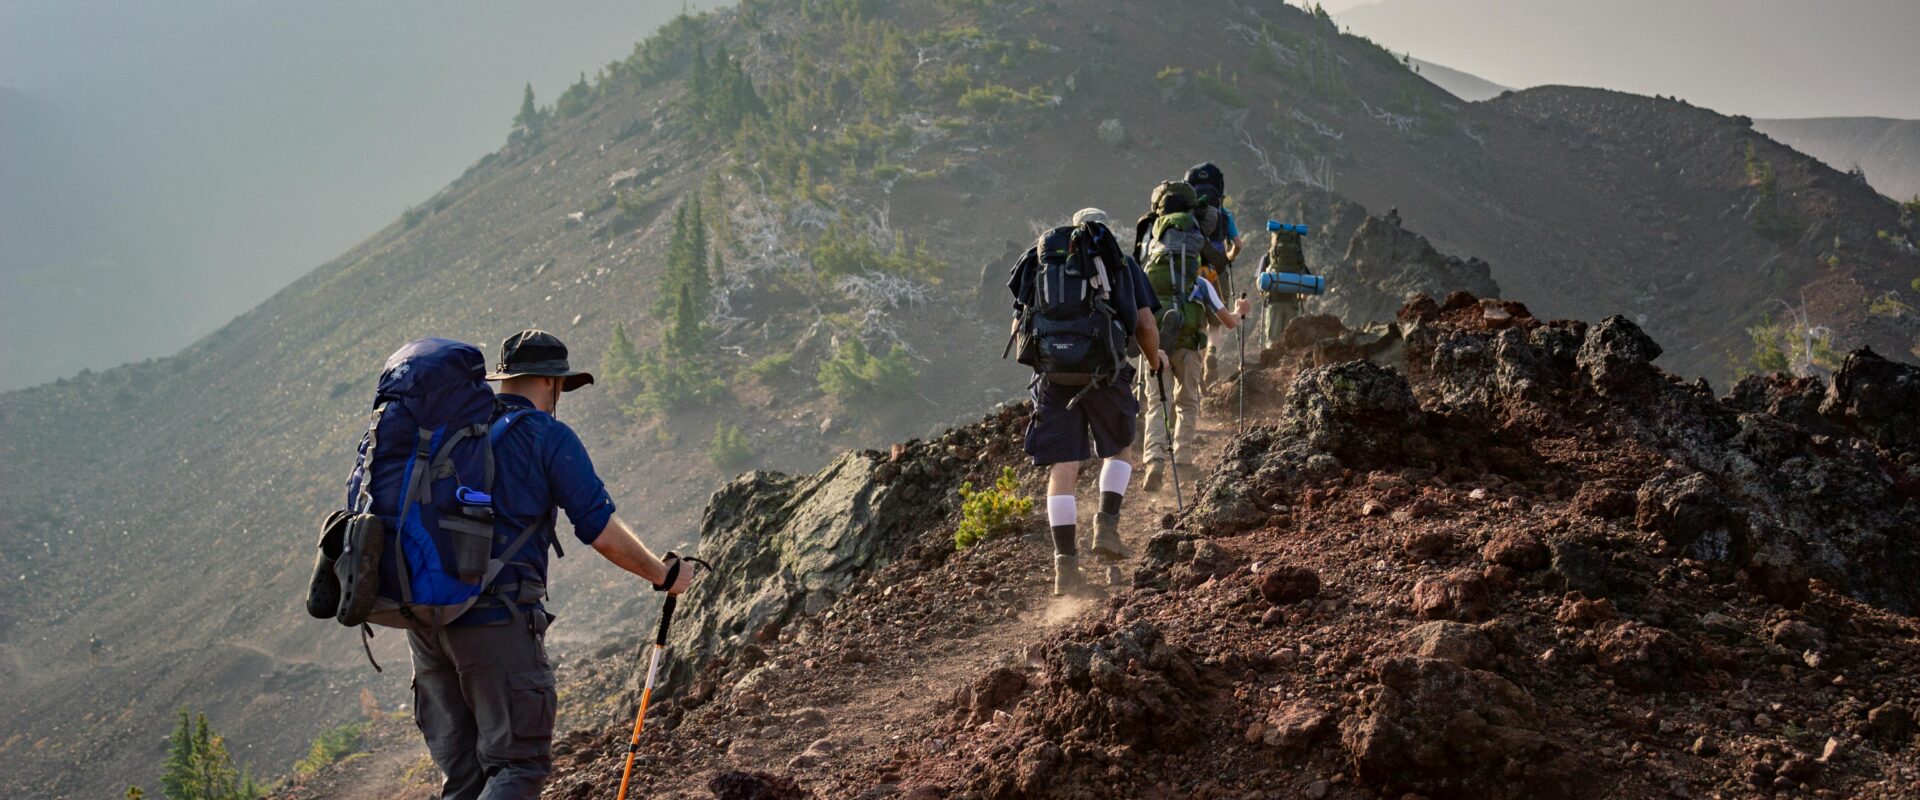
(1275, 316)
(1223, 355)
(1183, 376)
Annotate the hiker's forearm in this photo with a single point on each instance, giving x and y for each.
(1145, 332)
(618, 544)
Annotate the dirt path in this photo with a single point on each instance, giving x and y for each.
(865, 699)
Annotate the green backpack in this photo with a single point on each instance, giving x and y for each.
(1174, 265)
(1286, 254)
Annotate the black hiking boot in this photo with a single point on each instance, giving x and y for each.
(323, 589)
(359, 568)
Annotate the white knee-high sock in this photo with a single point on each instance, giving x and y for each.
(1114, 475)
(1061, 515)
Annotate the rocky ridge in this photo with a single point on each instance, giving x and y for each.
(1530, 564)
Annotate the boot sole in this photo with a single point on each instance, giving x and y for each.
(359, 568)
(323, 589)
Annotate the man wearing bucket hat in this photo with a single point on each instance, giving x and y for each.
(484, 692)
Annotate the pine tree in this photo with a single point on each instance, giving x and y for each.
(176, 776)
(621, 365)
(698, 281)
(529, 116)
(198, 766)
(678, 374)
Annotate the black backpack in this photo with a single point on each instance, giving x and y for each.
(1211, 185)
(1069, 331)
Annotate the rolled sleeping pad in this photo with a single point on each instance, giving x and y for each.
(1292, 283)
(1294, 227)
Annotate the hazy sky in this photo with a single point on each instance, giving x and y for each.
(167, 164)
(1761, 58)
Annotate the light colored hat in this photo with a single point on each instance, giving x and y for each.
(1086, 215)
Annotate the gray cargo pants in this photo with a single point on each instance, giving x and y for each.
(484, 697)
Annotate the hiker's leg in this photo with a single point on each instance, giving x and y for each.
(1186, 404)
(1115, 474)
(1272, 322)
(1057, 439)
(1062, 512)
(509, 682)
(441, 712)
(1158, 442)
(1110, 416)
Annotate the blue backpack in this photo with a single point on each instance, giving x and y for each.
(425, 473)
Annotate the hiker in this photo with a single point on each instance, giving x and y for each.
(1287, 253)
(1223, 233)
(1081, 307)
(484, 692)
(1176, 257)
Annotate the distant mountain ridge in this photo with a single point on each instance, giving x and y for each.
(1887, 150)
(1466, 86)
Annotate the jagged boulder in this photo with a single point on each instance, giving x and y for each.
(1618, 357)
(1684, 509)
(1878, 398)
(783, 546)
(1432, 726)
(1385, 264)
(1129, 686)
(1357, 412)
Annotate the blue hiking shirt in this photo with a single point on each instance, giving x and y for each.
(540, 466)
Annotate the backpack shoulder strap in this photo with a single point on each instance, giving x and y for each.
(501, 424)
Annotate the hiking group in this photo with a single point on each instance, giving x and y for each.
(452, 502)
(1085, 310)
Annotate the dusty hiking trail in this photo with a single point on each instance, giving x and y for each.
(843, 711)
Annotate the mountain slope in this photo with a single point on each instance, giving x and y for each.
(168, 506)
(1887, 150)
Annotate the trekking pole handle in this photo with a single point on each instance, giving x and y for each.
(666, 619)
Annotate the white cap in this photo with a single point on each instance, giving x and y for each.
(1086, 215)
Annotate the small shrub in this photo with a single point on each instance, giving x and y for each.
(991, 512)
(853, 375)
(329, 747)
(995, 98)
(772, 367)
(729, 450)
(1217, 87)
(1888, 304)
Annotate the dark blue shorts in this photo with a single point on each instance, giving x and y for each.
(1059, 434)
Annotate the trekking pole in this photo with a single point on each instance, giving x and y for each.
(1242, 380)
(653, 671)
(1166, 417)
